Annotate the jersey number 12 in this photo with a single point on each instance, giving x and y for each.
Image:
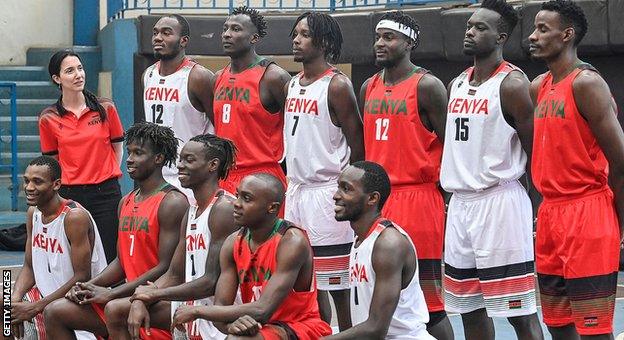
(381, 128)
(157, 112)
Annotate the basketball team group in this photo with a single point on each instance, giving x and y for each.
(265, 204)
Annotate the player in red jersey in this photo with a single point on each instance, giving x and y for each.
(270, 260)
(404, 109)
(578, 152)
(149, 226)
(203, 161)
(248, 99)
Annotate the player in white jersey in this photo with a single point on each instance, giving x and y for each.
(393, 306)
(62, 248)
(194, 268)
(176, 90)
(489, 261)
(322, 134)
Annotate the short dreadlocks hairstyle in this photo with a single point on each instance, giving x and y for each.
(325, 31)
(375, 179)
(161, 139)
(54, 168)
(221, 148)
(571, 15)
(256, 19)
(509, 16)
(185, 28)
(404, 19)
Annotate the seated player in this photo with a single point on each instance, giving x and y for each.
(62, 248)
(393, 307)
(204, 160)
(149, 226)
(270, 259)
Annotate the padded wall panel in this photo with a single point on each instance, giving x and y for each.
(453, 29)
(616, 25)
(358, 36)
(277, 40)
(595, 42)
(205, 34)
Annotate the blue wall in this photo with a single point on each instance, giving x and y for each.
(86, 22)
(118, 42)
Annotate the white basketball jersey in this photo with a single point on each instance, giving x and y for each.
(410, 315)
(198, 238)
(316, 149)
(481, 149)
(166, 102)
(51, 251)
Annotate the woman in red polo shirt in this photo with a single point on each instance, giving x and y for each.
(85, 134)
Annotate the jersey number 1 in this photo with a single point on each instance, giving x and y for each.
(157, 112)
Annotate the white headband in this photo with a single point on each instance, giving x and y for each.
(395, 26)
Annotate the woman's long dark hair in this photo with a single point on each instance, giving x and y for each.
(54, 69)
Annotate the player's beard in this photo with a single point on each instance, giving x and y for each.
(174, 53)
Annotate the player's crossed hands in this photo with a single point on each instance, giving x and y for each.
(84, 293)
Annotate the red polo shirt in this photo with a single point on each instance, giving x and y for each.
(84, 145)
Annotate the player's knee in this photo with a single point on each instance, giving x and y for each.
(116, 311)
(524, 321)
(53, 312)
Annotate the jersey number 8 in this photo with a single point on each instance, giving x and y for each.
(227, 108)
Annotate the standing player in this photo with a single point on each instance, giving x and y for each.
(404, 108)
(248, 101)
(578, 144)
(270, 260)
(394, 306)
(323, 132)
(62, 248)
(149, 225)
(177, 92)
(489, 268)
(203, 161)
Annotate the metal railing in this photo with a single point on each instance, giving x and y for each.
(118, 8)
(13, 166)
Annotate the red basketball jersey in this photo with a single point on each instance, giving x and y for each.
(567, 160)
(137, 244)
(394, 135)
(299, 310)
(240, 116)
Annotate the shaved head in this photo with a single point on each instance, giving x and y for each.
(273, 187)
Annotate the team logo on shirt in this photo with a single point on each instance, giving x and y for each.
(195, 242)
(239, 94)
(385, 106)
(162, 94)
(48, 244)
(134, 223)
(550, 108)
(302, 105)
(255, 274)
(358, 273)
(468, 106)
